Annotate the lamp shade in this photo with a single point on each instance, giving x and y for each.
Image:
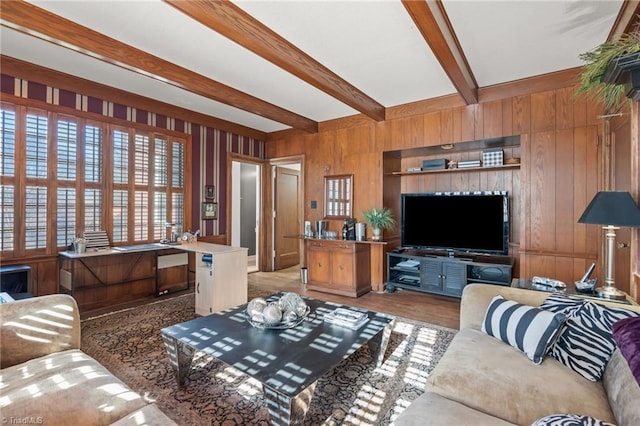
(614, 208)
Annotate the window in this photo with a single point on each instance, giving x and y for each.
(7, 175)
(62, 175)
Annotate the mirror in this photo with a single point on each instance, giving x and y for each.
(338, 196)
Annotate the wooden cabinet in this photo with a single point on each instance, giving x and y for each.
(339, 267)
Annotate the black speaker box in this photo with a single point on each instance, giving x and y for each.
(495, 273)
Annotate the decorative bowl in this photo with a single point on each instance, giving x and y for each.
(277, 314)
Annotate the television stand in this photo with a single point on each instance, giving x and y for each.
(440, 273)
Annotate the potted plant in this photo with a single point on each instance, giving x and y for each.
(379, 219)
(609, 68)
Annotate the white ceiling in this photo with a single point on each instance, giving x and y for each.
(373, 45)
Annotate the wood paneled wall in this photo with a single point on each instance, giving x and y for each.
(560, 165)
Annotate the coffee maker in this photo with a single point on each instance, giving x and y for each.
(349, 229)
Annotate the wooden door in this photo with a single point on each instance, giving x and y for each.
(287, 221)
(621, 181)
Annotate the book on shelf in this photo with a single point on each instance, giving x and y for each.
(409, 263)
(469, 163)
(346, 318)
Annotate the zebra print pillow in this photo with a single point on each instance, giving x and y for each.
(569, 420)
(527, 328)
(586, 344)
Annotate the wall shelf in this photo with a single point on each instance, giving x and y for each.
(456, 170)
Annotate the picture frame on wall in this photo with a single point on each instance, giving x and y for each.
(210, 192)
(209, 211)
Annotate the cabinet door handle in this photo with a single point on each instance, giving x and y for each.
(198, 287)
(319, 265)
(341, 267)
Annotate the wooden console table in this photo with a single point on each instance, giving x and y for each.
(338, 266)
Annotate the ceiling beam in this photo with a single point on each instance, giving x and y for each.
(432, 21)
(627, 19)
(34, 21)
(238, 26)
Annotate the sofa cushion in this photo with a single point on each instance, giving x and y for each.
(626, 333)
(63, 388)
(622, 390)
(484, 374)
(432, 409)
(569, 420)
(586, 343)
(527, 328)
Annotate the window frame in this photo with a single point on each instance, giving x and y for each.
(107, 126)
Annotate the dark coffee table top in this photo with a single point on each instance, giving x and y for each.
(286, 360)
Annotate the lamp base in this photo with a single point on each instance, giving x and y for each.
(611, 293)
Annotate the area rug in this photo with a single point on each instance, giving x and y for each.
(128, 343)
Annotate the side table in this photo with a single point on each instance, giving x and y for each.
(569, 290)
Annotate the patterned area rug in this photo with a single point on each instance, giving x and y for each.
(128, 343)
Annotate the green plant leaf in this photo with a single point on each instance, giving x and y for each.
(596, 62)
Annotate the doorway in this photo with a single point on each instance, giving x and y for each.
(286, 201)
(245, 209)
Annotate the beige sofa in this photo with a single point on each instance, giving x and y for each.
(47, 379)
(482, 381)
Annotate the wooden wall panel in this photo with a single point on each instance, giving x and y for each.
(558, 174)
(507, 117)
(432, 131)
(521, 107)
(564, 108)
(564, 192)
(492, 119)
(543, 109)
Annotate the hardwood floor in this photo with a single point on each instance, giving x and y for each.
(440, 310)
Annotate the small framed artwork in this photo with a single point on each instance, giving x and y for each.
(209, 211)
(210, 191)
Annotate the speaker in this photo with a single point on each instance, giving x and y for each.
(495, 273)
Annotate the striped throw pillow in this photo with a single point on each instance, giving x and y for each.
(586, 343)
(528, 329)
(569, 420)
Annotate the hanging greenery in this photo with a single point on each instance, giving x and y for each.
(597, 61)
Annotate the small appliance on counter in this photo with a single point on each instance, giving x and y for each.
(349, 229)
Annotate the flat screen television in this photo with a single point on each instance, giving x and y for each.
(472, 222)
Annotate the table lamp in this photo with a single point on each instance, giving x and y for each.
(613, 209)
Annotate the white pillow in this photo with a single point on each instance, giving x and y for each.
(527, 328)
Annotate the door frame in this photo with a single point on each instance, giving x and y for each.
(260, 238)
(266, 258)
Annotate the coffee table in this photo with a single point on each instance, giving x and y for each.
(287, 362)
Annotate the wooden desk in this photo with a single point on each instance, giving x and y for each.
(124, 274)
